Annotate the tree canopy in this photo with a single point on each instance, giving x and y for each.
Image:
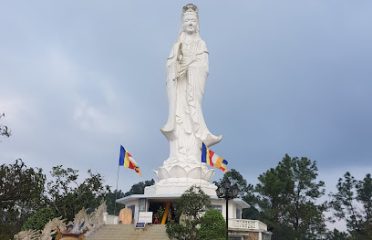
(21, 192)
(111, 197)
(190, 208)
(139, 187)
(67, 196)
(212, 226)
(289, 199)
(353, 203)
(246, 192)
(29, 201)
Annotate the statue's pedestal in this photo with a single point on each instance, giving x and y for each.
(176, 178)
(177, 186)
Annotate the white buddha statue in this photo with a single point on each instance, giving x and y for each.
(187, 72)
(185, 129)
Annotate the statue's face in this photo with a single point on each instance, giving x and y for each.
(190, 22)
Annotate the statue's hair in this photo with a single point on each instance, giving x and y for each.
(190, 8)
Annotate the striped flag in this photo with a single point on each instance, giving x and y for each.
(126, 160)
(212, 159)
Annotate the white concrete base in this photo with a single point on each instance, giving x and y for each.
(177, 186)
(175, 177)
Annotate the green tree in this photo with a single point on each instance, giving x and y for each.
(111, 199)
(39, 218)
(21, 192)
(139, 188)
(337, 235)
(246, 192)
(212, 226)
(66, 196)
(190, 207)
(353, 202)
(288, 199)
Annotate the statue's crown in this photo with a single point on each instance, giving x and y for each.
(190, 8)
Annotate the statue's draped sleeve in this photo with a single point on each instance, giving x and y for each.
(172, 62)
(201, 67)
(171, 70)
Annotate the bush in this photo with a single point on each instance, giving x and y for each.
(38, 220)
(212, 226)
(190, 207)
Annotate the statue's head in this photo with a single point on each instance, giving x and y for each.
(190, 19)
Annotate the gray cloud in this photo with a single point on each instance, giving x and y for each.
(80, 78)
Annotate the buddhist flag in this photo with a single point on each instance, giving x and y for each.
(126, 160)
(212, 159)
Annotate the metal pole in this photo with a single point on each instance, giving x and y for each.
(227, 218)
(117, 183)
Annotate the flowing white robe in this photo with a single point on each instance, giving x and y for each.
(187, 72)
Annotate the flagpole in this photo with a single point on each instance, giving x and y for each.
(117, 184)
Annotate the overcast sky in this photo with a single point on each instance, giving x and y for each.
(79, 78)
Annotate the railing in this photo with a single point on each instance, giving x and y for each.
(246, 225)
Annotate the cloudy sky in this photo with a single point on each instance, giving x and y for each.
(79, 78)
